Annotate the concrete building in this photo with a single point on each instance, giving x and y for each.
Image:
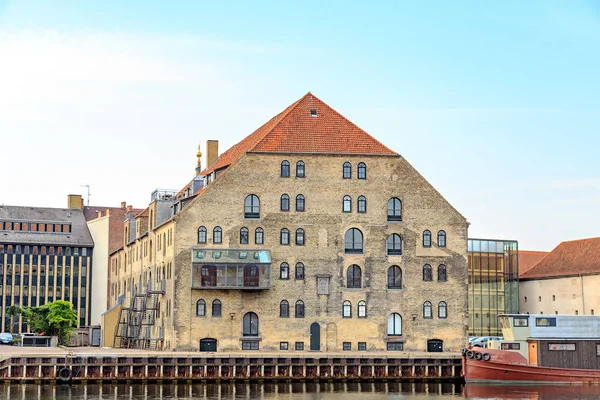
(309, 234)
(493, 284)
(106, 227)
(45, 255)
(566, 281)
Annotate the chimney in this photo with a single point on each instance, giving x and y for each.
(123, 204)
(129, 208)
(75, 201)
(212, 152)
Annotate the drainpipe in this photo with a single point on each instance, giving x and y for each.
(582, 296)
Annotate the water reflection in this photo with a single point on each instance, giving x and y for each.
(294, 391)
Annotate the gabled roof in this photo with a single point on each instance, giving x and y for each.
(297, 130)
(568, 258)
(528, 259)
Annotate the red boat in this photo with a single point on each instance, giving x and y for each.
(539, 349)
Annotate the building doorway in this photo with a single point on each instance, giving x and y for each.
(435, 346)
(315, 336)
(208, 344)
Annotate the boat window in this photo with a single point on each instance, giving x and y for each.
(521, 321)
(510, 346)
(545, 322)
(598, 349)
(561, 346)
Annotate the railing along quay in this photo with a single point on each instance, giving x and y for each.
(215, 367)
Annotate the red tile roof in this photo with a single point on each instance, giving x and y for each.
(295, 130)
(528, 259)
(568, 258)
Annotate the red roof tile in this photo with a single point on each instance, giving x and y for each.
(568, 258)
(295, 130)
(528, 259)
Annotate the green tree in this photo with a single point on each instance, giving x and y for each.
(11, 312)
(61, 318)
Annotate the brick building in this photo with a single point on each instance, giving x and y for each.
(309, 234)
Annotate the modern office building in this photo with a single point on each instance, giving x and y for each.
(45, 255)
(308, 234)
(493, 284)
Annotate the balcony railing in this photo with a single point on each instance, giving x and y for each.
(231, 276)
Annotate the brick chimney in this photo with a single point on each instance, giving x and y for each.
(123, 204)
(75, 201)
(212, 152)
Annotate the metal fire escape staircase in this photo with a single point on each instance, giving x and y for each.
(137, 318)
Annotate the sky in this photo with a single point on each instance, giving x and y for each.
(496, 104)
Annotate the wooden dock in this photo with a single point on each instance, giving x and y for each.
(144, 367)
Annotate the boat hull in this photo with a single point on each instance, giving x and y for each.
(511, 367)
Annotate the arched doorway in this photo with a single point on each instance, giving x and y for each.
(208, 344)
(435, 346)
(315, 336)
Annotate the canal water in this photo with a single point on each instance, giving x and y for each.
(294, 391)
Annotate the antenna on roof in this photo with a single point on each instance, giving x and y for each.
(88, 193)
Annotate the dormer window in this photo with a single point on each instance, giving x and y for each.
(313, 113)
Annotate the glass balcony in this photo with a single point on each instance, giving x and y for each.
(231, 269)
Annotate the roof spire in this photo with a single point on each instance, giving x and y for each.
(198, 163)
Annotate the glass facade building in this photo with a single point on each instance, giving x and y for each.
(493, 284)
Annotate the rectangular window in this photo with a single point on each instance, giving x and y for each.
(561, 346)
(250, 345)
(283, 345)
(347, 346)
(598, 349)
(521, 321)
(545, 322)
(362, 346)
(299, 345)
(395, 346)
(510, 346)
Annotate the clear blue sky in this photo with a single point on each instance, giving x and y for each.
(496, 104)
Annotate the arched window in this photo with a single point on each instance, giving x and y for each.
(441, 239)
(362, 309)
(427, 310)
(394, 325)
(300, 172)
(300, 202)
(244, 235)
(299, 309)
(362, 204)
(442, 273)
(347, 309)
(217, 235)
(394, 209)
(347, 174)
(200, 308)
(347, 204)
(353, 241)
(285, 169)
(202, 234)
(216, 308)
(284, 309)
(299, 237)
(394, 245)
(284, 237)
(284, 271)
(250, 324)
(362, 170)
(252, 206)
(300, 271)
(427, 273)
(285, 202)
(259, 236)
(442, 310)
(426, 238)
(394, 277)
(353, 277)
